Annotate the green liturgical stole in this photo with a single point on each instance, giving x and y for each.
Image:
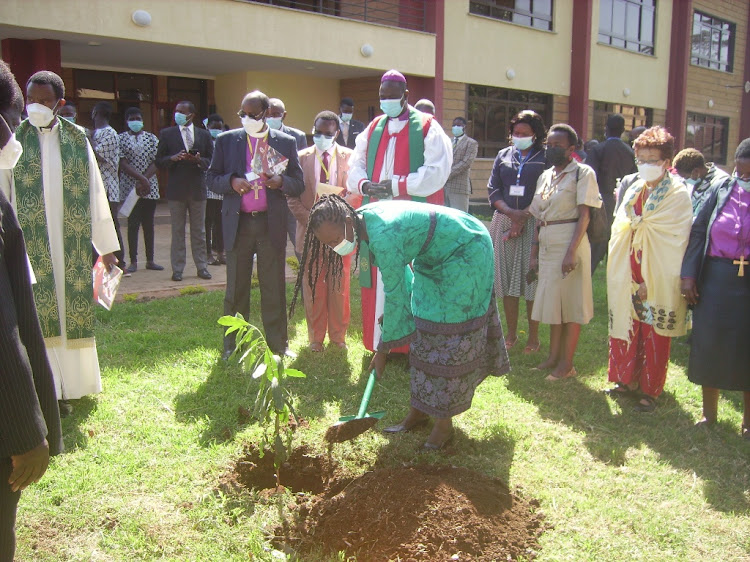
(416, 160)
(79, 302)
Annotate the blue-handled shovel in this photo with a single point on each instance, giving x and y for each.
(349, 427)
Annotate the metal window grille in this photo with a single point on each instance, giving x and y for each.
(635, 116)
(491, 109)
(708, 134)
(712, 42)
(531, 13)
(628, 24)
(406, 14)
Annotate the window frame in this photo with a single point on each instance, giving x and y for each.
(609, 37)
(722, 66)
(634, 115)
(510, 102)
(722, 157)
(491, 5)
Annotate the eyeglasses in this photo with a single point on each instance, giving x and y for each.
(640, 162)
(241, 114)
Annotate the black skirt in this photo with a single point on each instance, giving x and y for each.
(720, 350)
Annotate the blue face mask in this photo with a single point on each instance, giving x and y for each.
(71, 119)
(214, 132)
(457, 131)
(205, 123)
(274, 122)
(136, 126)
(346, 247)
(180, 119)
(392, 108)
(322, 142)
(346, 117)
(691, 181)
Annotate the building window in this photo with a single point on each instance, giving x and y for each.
(713, 42)
(628, 24)
(531, 13)
(491, 109)
(709, 135)
(634, 116)
(122, 90)
(395, 13)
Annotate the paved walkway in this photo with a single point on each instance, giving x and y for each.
(146, 284)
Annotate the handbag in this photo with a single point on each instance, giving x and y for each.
(598, 229)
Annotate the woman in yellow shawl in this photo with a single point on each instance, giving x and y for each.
(649, 236)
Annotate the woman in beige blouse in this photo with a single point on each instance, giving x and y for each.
(561, 250)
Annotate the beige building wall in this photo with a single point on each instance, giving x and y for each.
(303, 96)
(222, 25)
(704, 84)
(614, 70)
(481, 50)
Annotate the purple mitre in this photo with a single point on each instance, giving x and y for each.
(393, 76)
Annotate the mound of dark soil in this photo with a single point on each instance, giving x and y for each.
(424, 513)
(416, 513)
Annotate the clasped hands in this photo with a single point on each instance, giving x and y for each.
(379, 190)
(242, 186)
(518, 220)
(184, 155)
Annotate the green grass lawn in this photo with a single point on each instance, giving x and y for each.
(139, 480)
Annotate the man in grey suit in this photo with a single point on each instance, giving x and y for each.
(612, 159)
(254, 217)
(458, 187)
(349, 128)
(186, 151)
(275, 120)
(29, 415)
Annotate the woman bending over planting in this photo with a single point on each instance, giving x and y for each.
(437, 267)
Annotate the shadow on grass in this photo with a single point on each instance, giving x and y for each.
(611, 428)
(73, 437)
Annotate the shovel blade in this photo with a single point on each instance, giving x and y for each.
(344, 431)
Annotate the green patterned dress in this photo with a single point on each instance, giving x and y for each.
(437, 267)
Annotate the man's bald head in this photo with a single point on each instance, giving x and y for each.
(256, 96)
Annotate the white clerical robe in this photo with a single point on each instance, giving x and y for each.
(428, 179)
(76, 369)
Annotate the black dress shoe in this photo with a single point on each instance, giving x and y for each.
(176, 276)
(204, 274)
(154, 266)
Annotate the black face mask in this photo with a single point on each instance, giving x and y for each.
(556, 155)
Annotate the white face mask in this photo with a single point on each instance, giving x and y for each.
(252, 126)
(650, 172)
(346, 247)
(39, 115)
(10, 154)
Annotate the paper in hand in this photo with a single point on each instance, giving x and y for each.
(328, 189)
(106, 283)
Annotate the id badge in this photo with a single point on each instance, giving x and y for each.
(517, 190)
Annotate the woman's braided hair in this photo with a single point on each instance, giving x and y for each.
(317, 257)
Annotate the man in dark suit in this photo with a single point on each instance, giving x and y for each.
(254, 216)
(186, 152)
(611, 160)
(349, 127)
(29, 416)
(275, 120)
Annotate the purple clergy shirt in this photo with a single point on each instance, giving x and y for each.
(249, 201)
(730, 233)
